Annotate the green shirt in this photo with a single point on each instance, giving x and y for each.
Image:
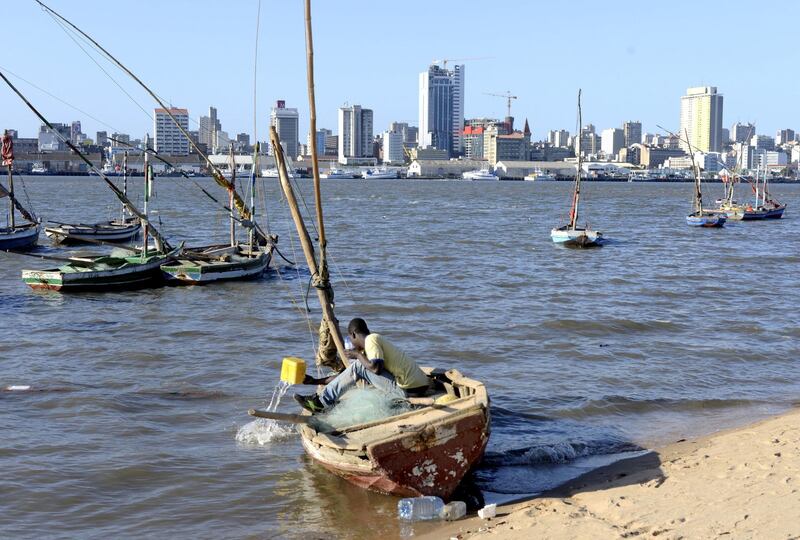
(405, 371)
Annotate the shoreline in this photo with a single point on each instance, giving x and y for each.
(743, 482)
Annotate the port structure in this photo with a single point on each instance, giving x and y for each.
(507, 96)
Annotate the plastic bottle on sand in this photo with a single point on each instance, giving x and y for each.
(420, 508)
(453, 510)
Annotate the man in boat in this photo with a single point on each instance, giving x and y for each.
(376, 361)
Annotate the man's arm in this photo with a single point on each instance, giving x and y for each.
(374, 365)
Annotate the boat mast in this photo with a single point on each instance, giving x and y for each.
(124, 180)
(573, 213)
(9, 163)
(146, 191)
(252, 235)
(231, 190)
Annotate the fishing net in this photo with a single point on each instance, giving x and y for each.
(360, 405)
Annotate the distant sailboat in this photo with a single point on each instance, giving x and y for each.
(15, 236)
(700, 217)
(570, 234)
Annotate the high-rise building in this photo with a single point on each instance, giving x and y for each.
(762, 142)
(393, 147)
(52, 140)
(784, 136)
(558, 138)
(287, 124)
(632, 133)
(701, 119)
(742, 132)
(322, 134)
(441, 109)
(101, 138)
(169, 139)
(355, 133)
(613, 140)
(208, 130)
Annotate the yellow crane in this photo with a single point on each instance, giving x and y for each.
(507, 96)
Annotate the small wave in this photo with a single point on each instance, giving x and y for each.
(611, 405)
(610, 326)
(556, 453)
(262, 432)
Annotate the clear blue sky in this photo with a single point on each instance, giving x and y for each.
(633, 59)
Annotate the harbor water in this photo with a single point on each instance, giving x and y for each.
(128, 418)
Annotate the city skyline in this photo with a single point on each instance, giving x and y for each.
(632, 73)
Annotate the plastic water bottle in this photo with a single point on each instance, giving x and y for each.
(453, 511)
(348, 345)
(420, 508)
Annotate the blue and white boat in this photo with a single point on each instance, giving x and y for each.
(480, 174)
(14, 236)
(381, 174)
(700, 217)
(570, 234)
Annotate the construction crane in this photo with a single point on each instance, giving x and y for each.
(506, 96)
(444, 61)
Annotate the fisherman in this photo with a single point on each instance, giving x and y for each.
(375, 361)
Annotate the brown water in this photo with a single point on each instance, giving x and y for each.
(129, 427)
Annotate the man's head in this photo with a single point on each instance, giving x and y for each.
(358, 331)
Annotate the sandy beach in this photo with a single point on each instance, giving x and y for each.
(742, 483)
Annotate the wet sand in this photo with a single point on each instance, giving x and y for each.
(742, 483)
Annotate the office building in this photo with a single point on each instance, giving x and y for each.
(207, 131)
(441, 109)
(473, 142)
(701, 119)
(52, 140)
(169, 139)
(632, 133)
(558, 138)
(286, 122)
(784, 136)
(355, 134)
(102, 138)
(612, 140)
(393, 147)
(742, 132)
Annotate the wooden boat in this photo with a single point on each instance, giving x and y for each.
(118, 230)
(16, 237)
(702, 217)
(219, 263)
(122, 229)
(570, 234)
(426, 451)
(102, 273)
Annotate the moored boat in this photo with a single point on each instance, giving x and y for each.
(538, 175)
(23, 236)
(218, 263)
(701, 217)
(118, 230)
(480, 174)
(333, 174)
(383, 173)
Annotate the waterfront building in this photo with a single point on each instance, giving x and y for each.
(701, 119)
(762, 142)
(590, 141)
(322, 135)
(331, 145)
(441, 109)
(207, 132)
(102, 138)
(52, 140)
(784, 136)
(473, 142)
(443, 168)
(612, 141)
(286, 122)
(169, 140)
(632, 132)
(648, 156)
(355, 134)
(393, 147)
(511, 147)
(558, 138)
(243, 142)
(742, 132)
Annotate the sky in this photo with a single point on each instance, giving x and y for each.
(632, 59)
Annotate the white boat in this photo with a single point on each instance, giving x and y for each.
(38, 168)
(335, 174)
(538, 175)
(480, 174)
(273, 173)
(380, 174)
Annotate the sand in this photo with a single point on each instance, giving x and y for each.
(742, 483)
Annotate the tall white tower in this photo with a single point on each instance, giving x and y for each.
(441, 109)
(355, 132)
(701, 119)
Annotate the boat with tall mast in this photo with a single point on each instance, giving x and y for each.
(571, 234)
(701, 217)
(426, 451)
(15, 236)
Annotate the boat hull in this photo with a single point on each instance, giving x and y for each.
(706, 220)
(128, 276)
(576, 237)
(19, 238)
(110, 231)
(426, 451)
(194, 272)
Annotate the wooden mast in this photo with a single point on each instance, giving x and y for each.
(573, 214)
(124, 180)
(11, 198)
(230, 196)
(146, 192)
